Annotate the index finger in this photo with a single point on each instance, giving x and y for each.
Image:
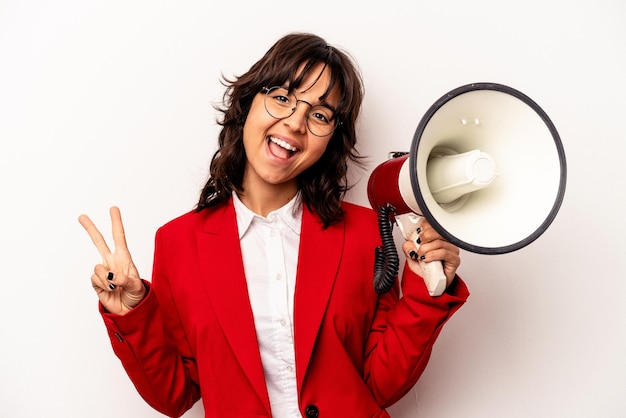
(95, 235)
(119, 237)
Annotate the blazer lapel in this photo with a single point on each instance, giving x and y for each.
(318, 262)
(225, 282)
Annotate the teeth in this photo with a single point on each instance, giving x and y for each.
(283, 144)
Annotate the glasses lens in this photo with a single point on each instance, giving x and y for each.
(280, 104)
(321, 121)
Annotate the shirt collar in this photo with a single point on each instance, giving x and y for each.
(290, 214)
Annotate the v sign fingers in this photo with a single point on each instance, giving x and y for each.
(119, 237)
(95, 236)
(116, 280)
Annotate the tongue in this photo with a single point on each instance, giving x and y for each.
(279, 151)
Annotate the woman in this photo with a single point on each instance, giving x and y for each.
(261, 301)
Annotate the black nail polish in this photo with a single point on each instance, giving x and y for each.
(419, 230)
(413, 255)
(110, 276)
(418, 240)
(423, 258)
(111, 286)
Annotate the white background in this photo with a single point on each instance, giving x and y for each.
(110, 102)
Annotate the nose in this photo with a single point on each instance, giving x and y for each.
(298, 119)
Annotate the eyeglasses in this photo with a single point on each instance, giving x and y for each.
(280, 104)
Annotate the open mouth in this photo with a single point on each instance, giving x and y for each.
(280, 148)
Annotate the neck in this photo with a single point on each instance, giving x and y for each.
(265, 200)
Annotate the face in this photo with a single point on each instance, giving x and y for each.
(278, 150)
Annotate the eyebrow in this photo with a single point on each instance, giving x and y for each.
(323, 104)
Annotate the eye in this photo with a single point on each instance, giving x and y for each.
(281, 97)
(321, 115)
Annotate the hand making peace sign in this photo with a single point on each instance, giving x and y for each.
(116, 280)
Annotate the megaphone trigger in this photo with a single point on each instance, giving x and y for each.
(432, 271)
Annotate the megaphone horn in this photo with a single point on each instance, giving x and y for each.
(486, 169)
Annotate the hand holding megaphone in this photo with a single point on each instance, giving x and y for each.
(486, 169)
(431, 271)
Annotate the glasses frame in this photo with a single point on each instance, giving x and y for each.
(266, 92)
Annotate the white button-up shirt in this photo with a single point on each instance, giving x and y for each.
(270, 257)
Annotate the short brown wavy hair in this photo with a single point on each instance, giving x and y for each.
(324, 184)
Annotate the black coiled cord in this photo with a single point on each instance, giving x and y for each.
(386, 262)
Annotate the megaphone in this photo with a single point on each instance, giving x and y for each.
(486, 168)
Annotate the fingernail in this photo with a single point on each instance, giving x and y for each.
(418, 230)
(418, 240)
(423, 258)
(111, 286)
(110, 276)
(413, 255)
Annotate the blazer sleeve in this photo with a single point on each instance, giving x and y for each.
(403, 333)
(152, 346)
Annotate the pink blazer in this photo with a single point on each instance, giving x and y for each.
(193, 336)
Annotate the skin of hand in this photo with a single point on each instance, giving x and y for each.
(432, 247)
(116, 280)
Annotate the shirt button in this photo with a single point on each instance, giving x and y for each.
(311, 411)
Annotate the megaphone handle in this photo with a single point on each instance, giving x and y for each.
(434, 277)
(432, 271)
